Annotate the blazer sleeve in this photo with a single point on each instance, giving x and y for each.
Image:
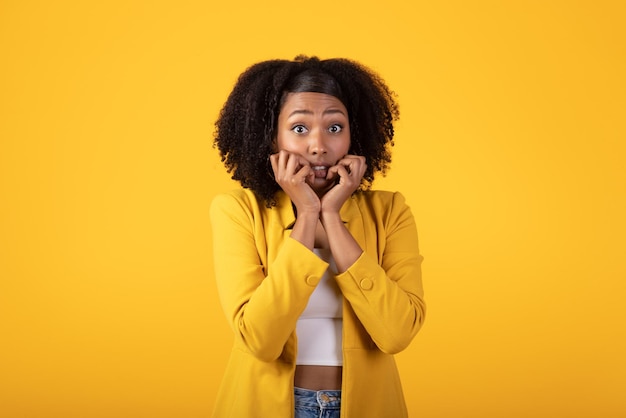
(262, 303)
(385, 289)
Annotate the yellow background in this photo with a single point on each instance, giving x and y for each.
(510, 150)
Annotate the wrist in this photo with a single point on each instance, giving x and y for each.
(330, 217)
(307, 215)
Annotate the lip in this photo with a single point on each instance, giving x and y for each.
(319, 167)
(320, 170)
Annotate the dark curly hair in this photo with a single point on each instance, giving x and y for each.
(246, 127)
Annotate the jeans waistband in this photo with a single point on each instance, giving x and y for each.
(319, 398)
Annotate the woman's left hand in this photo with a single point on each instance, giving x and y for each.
(350, 170)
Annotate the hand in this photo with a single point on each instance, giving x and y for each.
(292, 172)
(350, 170)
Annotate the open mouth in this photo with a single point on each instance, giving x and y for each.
(320, 171)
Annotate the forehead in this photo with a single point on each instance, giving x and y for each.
(311, 101)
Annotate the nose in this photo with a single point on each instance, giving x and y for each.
(317, 143)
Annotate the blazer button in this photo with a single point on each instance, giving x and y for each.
(311, 280)
(366, 284)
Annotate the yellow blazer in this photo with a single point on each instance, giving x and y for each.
(265, 278)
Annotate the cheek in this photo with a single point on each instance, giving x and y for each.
(279, 142)
(283, 143)
(347, 144)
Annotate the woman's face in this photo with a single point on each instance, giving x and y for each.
(316, 127)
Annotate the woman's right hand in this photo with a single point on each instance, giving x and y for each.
(291, 172)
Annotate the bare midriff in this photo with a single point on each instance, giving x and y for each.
(318, 377)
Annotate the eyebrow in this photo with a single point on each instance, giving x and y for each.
(309, 112)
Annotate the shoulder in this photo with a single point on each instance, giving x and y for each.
(240, 195)
(384, 207)
(379, 198)
(237, 200)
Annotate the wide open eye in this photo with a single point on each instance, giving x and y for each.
(300, 129)
(335, 128)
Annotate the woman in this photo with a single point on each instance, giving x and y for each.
(319, 277)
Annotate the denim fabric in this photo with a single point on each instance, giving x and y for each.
(317, 404)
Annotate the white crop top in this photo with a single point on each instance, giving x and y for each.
(319, 326)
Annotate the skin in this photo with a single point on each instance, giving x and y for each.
(313, 167)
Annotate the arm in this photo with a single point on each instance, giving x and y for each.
(385, 288)
(342, 244)
(261, 302)
(385, 291)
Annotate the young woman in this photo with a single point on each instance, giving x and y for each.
(319, 277)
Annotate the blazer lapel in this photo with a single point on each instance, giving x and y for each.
(286, 216)
(352, 218)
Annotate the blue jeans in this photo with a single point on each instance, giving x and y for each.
(317, 404)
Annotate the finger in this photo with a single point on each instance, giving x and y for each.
(278, 165)
(352, 159)
(302, 162)
(274, 163)
(287, 159)
(295, 169)
(337, 170)
(283, 158)
(351, 165)
(355, 164)
(292, 164)
(286, 166)
(301, 166)
(352, 156)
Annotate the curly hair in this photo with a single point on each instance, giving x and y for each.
(246, 126)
